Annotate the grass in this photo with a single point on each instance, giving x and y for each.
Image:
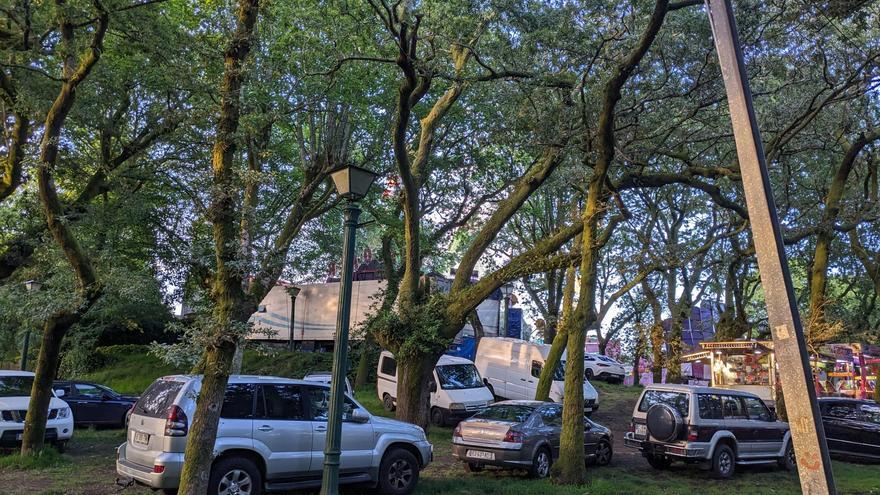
(47, 458)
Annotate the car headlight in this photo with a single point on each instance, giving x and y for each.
(456, 406)
(63, 412)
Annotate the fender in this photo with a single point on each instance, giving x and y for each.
(718, 436)
(240, 443)
(385, 439)
(785, 440)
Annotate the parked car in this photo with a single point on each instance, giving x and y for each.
(326, 377)
(15, 395)
(603, 368)
(717, 428)
(271, 438)
(511, 368)
(94, 404)
(852, 427)
(461, 391)
(523, 434)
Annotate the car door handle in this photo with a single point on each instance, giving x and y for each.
(265, 428)
(523, 379)
(321, 428)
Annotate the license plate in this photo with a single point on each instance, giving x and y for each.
(641, 430)
(140, 438)
(18, 436)
(479, 454)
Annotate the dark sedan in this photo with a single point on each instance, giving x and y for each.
(852, 427)
(523, 434)
(94, 404)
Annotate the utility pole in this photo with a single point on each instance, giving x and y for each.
(807, 433)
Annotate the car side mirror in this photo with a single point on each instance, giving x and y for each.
(432, 387)
(773, 416)
(59, 393)
(358, 416)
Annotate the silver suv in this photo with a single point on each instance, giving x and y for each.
(271, 437)
(714, 427)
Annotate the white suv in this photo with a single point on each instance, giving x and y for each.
(15, 395)
(271, 437)
(604, 368)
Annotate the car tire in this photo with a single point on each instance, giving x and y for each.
(388, 402)
(541, 463)
(438, 417)
(723, 462)
(788, 460)
(659, 462)
(398, 472)
(604, 452)
(238, 472)
(474, 467)
(588, 373)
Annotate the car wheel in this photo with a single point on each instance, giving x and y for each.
(540, 467)
(659, 461)
(588, 373)
(603, 453)
(474, 467)
(438, 417)
(398, 473)
(235, 476)
(723, 462)
(388, 402)
(788, 460)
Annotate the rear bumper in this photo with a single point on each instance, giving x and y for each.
(172, 464)
(692, 450)
(502, 457)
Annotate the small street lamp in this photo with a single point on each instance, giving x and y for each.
(31, 286)
(506, 291)
(352, 183)
(292, 291)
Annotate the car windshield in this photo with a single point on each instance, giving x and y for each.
(458, 376)
(678, 400)
(16, 386)
(512, 413)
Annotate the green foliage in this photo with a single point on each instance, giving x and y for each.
(416, 331)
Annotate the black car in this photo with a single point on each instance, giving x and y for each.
(94, 404)
(852, 427)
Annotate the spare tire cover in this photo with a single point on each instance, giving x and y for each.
(664, 422)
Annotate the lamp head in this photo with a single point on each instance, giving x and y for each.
(32, 285)
(352, 182)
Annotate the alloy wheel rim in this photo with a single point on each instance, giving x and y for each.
(791, 458)
(603, 453)
(235, 482)
(543, 464)
(724, 462)
(400, 474)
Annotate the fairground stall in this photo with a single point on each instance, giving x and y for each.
(846, 370)
(745, 365)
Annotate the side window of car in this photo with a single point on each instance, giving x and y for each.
(842, 411)
(90, 391)
(756, 409)
(536, 368)
(732, 407)
(281, 402)
(389, 366)
(238, 403)
(871, 413)
(710, 406)
(319, 404)
(551, 416)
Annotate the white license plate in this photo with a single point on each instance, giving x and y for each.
(641, 430)
(479, 454)
(140, 438)
(18, 436)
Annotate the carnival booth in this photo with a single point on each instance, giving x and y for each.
(846, 370)
(745, 365)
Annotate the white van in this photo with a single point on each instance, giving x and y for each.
(511, 368)
(457, 391)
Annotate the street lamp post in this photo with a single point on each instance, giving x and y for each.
(807, 432)
(31, 286)
(292, 291)
(352, 183)
(506, 290)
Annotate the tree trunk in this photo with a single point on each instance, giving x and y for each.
(414, 374)
(199, 453)
(657, 358)
(637, 353)
(545, 381)
(675, 343)
(368, 352)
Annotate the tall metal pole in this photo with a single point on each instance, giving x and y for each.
(330, 480)
(814, 464)
(24, 349)
(290, 325)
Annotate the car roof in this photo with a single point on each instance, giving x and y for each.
(246, 379)
(530, 403)
(847, 400)
(698, 389)
(447, 359)
(15, 373)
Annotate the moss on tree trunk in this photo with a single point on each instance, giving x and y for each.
(414, 374)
